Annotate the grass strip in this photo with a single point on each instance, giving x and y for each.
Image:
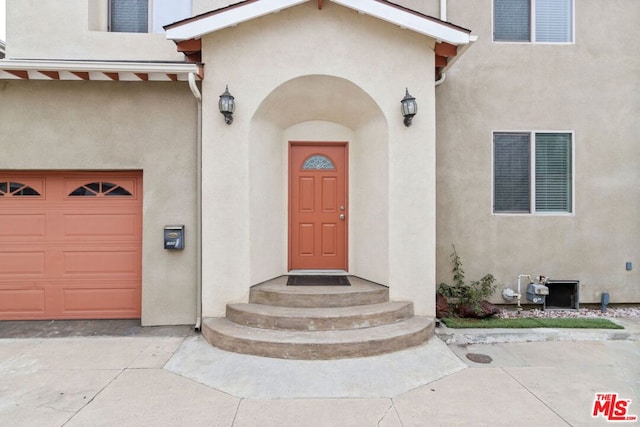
(532, 322)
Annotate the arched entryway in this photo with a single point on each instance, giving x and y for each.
(325, 110)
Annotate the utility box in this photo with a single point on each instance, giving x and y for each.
(174, 237)
(537, 293)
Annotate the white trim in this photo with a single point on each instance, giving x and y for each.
(156, 71)
(403, 19)
(228, 18)
(532, 182)
(196, 28)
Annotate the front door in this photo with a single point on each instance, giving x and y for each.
(318, 211)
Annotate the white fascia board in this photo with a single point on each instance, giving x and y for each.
(99, 66)
(404, 19)
(228, 18)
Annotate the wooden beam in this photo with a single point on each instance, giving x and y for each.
(172, 77)
(319, 4)
(82, 74)
(191, 45)
(51, 74)
(446, 49)
(142, 76)
(113, 76)
(441, 61)
(19, 73)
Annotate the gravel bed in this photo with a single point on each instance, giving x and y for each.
(582, 312)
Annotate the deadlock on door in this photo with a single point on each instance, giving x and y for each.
(342, 215)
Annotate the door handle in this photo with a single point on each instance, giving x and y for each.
(342, 217)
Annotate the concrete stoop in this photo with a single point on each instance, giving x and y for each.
(318, 322)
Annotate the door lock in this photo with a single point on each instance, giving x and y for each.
(342, 217)
(342, 207)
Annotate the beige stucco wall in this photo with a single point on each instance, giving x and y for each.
(118, 126)
(592, 88)
(356, 74)
(71, 30)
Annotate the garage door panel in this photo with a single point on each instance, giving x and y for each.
(96, 225)
(22, 262)
(22, 225)
(101, 262)
(100, 300)
(24, 301)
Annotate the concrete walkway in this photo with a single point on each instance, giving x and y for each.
(176, 379)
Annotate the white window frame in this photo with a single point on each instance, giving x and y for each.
(532, 27)
(532, 174)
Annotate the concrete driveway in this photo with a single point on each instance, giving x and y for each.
(173, 378)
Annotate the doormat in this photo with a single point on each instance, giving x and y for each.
(318, 281)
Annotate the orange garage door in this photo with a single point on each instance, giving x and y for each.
(70, 245)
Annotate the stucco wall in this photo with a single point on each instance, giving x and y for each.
(254, 59)
(118, 126)
(70, 30)
(591, 88)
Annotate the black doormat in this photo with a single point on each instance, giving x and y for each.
(318, 281)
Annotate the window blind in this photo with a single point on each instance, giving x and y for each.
(129, 16)
(511, 20)
(512, 166)
(553, 21)
(553, 172)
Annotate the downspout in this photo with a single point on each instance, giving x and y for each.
(196, 93)
(443, 17)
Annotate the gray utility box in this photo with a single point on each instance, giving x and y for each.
(174, 237)
(537, 293)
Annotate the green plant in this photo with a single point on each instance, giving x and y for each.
(461, 293)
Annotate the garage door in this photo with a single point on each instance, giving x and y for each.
(70, 245)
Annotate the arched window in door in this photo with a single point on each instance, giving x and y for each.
(318, 162)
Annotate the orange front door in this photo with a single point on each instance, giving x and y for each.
(318, 211)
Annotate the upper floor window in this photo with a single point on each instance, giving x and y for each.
(129, 16)
(143, 16)
(532, 172)
(541, 21)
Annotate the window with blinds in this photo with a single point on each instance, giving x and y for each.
(542, 21)
(129, 16)
(532, 172)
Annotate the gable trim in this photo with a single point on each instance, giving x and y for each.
(230, 16)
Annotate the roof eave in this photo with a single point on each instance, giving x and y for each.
(228, 17)
(38, 69)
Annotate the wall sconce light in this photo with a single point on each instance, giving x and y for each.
(227, 106)
(409, 108)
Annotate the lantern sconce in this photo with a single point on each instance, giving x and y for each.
(227, 106)
(409, 108)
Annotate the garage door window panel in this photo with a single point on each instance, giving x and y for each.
(100, 189)
(16, 189)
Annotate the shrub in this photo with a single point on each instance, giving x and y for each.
(460, 293)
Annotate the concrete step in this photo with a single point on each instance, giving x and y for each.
(318, 319)
(310, 345)
(277, 293)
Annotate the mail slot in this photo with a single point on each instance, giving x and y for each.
(174, 237)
